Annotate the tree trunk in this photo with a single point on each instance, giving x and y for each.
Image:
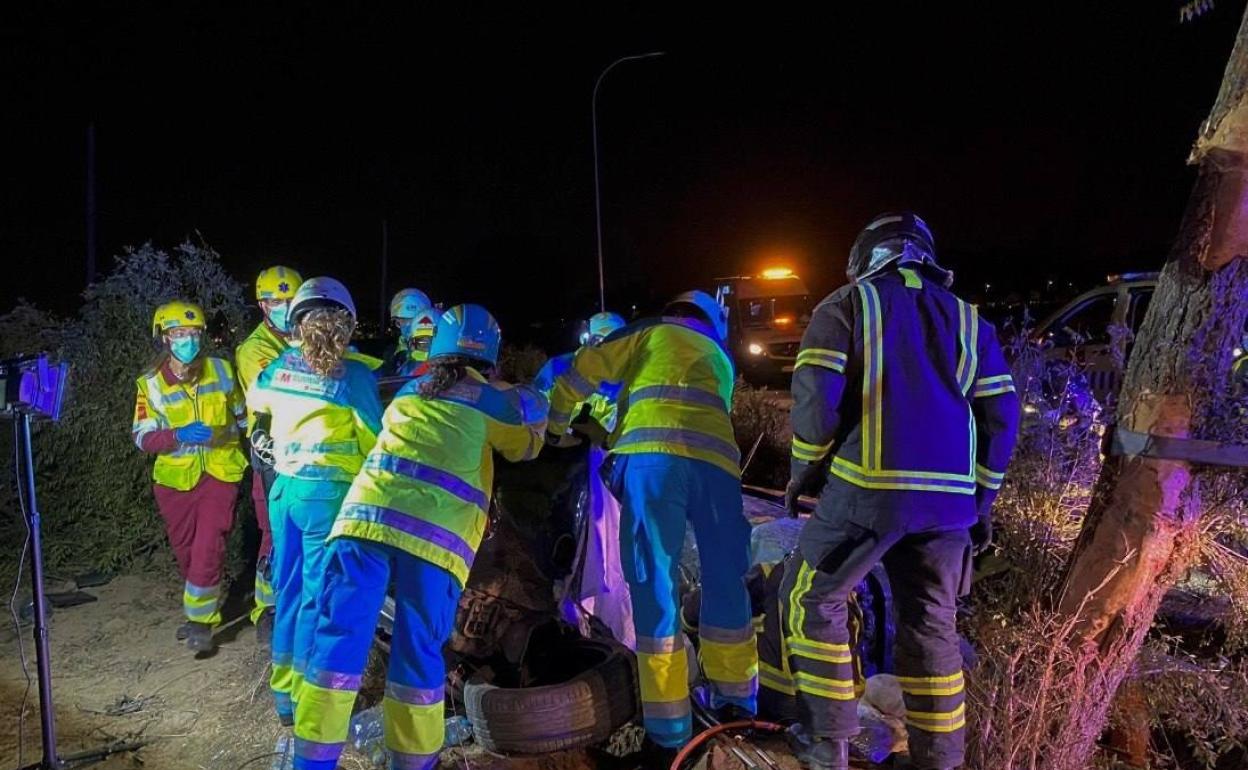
(1146, 510)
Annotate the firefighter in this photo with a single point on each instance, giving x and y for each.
(905, 415)
(601, 404)
(275, 288)
(414, 518)
(415, 318)
(675, 460)
(320, 409)
(189, 413)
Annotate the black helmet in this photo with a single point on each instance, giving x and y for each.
(893, 237)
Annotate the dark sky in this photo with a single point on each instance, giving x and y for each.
(1038, 139)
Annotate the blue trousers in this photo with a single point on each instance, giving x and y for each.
(301, 513)
(658, 494)
(426, 597)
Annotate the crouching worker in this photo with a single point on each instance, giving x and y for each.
(189, 413)
(321, 411)
(414, 518)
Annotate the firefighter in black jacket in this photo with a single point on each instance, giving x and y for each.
(904, 416)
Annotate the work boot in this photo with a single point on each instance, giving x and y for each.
(200, 637)
(818, 753)
(183, 631)
(264, 627)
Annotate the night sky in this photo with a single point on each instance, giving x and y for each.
(1040, 140)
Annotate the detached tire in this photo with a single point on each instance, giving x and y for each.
(583, 710)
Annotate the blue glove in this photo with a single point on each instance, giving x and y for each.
(195, 433)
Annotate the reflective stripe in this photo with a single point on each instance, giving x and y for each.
(746, 689)
(828, 653)
(836, 689)
(988, 478)
(932, 685)
(658, 645)
(968, 341)
(427, 474)
(913, 281)
(331, 680)
(797, 613)
(681, 437)
(202, 592)
(937, 721)
(828, 359)
(319, 752)
(872, 377)
(810, 452)
(416, 696)
(579, 385)
(170, 397)
(929, 481)
(993, 386)
(425, 530)
(726, 635)
(684, 393)
(673, 709)
(774, 679)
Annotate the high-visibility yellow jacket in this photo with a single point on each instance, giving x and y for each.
(426, 485)
(261, 348)
(675, 392)
(602, 407)
(322, 427)
(165, 403)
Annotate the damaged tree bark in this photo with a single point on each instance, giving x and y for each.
(1147, 509)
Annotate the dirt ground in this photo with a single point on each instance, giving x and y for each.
(119, 676)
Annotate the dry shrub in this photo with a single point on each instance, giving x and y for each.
(760, 420)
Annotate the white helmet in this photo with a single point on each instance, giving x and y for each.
(320, 292)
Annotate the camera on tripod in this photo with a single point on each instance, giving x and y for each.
(32, 385)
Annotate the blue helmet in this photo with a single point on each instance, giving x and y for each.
(467, 330)
(600, 325)
(714, 313)
(409, 303)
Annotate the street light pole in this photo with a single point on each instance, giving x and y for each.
(602, 284)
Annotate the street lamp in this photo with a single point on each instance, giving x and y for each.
(602, 285)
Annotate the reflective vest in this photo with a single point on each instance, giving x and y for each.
(675, 393)
(216, 401)
(426, 485)
(602, 407)
(322, 427)
(261, 348)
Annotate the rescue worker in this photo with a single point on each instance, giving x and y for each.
(413, 519)
(905, 414)
(415, 317)
(189, 413)
(321, 409)
(601, 404)
(675, 460)
(596, 586)
(275, 288)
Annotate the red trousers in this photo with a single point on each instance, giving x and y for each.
(198, 522)
(260, 500)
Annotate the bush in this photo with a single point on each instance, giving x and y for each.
(760, 420)
(94, 485)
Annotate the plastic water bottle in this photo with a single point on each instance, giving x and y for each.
(283, 754)
(367, 735)
(458, 731)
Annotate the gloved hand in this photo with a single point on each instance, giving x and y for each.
(792, 491)
(981, 534)
(262, 445)
(195, 433)
(562, 440)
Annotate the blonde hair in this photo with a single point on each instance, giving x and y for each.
(324, 335)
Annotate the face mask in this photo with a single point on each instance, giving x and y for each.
(185, 348)
(280, 317)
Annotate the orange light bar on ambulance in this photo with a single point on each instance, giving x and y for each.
(777, 273)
